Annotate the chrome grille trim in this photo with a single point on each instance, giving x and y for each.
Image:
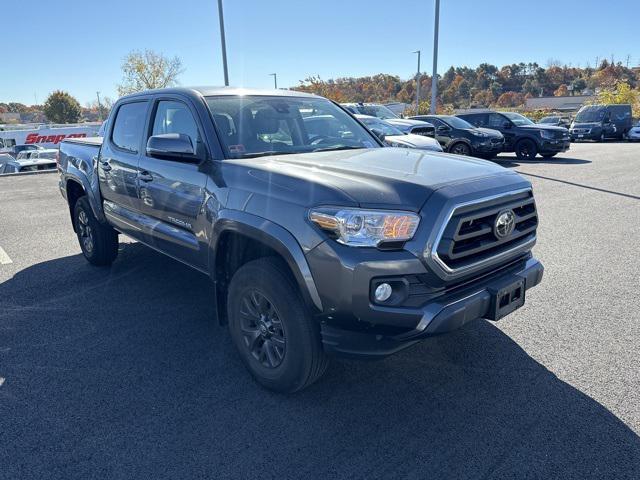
(515, 250)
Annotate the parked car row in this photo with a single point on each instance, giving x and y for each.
(479, 133)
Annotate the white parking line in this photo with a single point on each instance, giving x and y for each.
(4, 258)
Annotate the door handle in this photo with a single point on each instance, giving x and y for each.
(145, 176)
(105, 166)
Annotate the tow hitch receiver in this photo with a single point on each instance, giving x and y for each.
(506, 296)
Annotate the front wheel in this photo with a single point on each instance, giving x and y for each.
(99, 242)
(460, 148)
(272, 329)
(526, 150)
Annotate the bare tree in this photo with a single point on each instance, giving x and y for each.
(148, 69)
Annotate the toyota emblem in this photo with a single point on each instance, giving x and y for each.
(505, 223)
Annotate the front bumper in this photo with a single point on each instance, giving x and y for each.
(488, 147)
(555, 146)
(444, 314)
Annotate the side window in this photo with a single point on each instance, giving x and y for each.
(479, 120)
(175, 117)
(496, 121)
(129, 125)
(435, 122)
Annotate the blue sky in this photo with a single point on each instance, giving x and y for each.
(78, 46)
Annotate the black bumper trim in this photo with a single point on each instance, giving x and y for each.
(439, 317)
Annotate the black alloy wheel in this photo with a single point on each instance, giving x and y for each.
(526, 150)
(461, 148)
(263, 332)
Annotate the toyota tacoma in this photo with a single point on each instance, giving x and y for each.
(318, 241)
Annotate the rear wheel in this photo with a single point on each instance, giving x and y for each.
(460, 148)
(271, 327)
(99, 242)
(526, 149)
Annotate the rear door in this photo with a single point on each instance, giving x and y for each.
(118, 167)
(172, 191)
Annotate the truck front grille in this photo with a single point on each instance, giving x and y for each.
(471, 236)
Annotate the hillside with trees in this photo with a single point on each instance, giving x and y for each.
(484, 86)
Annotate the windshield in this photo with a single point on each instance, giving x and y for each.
(51, 154)
(589, 114)
(379, 111)
(517, 119)
(251, 126)
(456, 122)
(382, 126)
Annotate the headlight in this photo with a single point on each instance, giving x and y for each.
(479, 134)
(548, 134)
(365, 228)
(396, 144)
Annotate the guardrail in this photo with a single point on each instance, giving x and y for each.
(19, 174)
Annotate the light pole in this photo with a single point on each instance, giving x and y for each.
(223, 44)
(418, 84)
(99, 107)
(275, 80)
(434, 77)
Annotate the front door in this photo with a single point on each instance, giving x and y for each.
(172, 192)
(501, 123)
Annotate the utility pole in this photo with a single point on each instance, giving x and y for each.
(223, 44)
(99, 107)
(275, 80)
(434, 77)
(418, 85)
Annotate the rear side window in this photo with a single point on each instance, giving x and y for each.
(496, 120)
(129, 125)
(477, 120)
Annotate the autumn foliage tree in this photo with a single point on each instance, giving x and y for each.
(147, 70)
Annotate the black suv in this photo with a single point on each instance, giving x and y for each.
(460, 137)
(521, 135)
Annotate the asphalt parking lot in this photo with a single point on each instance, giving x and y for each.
(125, 373)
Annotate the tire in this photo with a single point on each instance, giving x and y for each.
(549, 155)
(99, 242)
(526, 149)
(460, 148)
(272, 329)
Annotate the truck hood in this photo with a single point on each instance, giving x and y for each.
(415, 141)
(378, 177)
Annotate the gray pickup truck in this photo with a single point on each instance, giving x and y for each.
(317, 238)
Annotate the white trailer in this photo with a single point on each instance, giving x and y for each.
(47, 136)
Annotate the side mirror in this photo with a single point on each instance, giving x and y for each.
(378, 133)
(506, 125)
(443, 128)
(172, 146)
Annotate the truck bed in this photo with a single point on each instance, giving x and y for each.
(95, 141)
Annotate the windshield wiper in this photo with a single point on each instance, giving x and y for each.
(342, 147)
(265, 154)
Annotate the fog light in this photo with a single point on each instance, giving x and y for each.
(383, 292)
